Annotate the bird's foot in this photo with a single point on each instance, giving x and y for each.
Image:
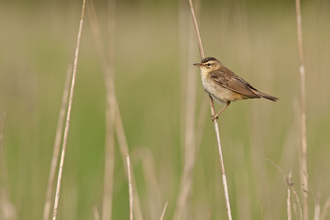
(214, 117)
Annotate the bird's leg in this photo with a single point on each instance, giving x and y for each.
(215, 117)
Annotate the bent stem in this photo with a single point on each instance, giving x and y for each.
(163, 213)
(216, 127)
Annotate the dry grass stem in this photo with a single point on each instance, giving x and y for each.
(286, 177)
(108, 78)
(288, 205)
(67, 125)
(3, 169)
(130, 191)
(110, 114)
(317, 211)
(300, 212)
(163, 213)
(148, 166)
(189, 142)
(200, 46)
(317, 208)
(96, 213)
(325, 210)
(112, 33)
(303, 159)
(2, 132)
(109, 165)
(57, 144)
(290, 184)
(7, 209)
(295, 209)
(216, 127)
(112, 102)
(2, 129)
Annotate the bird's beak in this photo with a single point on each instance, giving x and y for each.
(197, 64)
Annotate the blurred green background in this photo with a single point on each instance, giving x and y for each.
(255, 39)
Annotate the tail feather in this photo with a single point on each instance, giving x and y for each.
(266, 96)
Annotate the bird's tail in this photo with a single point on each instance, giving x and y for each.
(266, 96)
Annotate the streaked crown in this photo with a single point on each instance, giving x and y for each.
(210, 63)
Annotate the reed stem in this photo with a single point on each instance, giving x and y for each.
(303, 155)
(68, 115)
(216, 127)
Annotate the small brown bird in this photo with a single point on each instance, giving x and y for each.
(224, 86)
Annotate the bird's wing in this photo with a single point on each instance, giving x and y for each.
(227, 79)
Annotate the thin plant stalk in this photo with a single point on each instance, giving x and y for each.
(109, 165)
(189, 143)
(2, 162)
(325, 209)
(108, 78)
(150, 174)
(113, 103)
(296, 212)
(299, 211)
(57, 144)
(110, 114)
(200, 46)
(183, 30)
(7, 209)
(288, 205)
(96, 213)
(67, 125)
(216, 127)
(2, 132)
(290, 184)
(303, 155)
(317, 208)
(130, 190)
(317, 211)
(112, 33)
(163, 213)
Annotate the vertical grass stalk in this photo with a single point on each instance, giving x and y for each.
(325, 209)
(96, 213)
(190, 136)
(152, 185)
(216, 127)
(7, 209)
(288, 205)
(2, 132)
(130, 190)
(303, 154)
(110, 114)
(57, 144)
(113, 103)
(67, 125)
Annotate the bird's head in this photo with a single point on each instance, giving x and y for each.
(209, 64)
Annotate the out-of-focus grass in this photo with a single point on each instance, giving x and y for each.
(259, 44)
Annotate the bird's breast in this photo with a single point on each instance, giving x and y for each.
(220, 94)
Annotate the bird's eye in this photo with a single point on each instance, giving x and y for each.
(208, 64)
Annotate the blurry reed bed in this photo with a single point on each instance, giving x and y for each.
(258, 42)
